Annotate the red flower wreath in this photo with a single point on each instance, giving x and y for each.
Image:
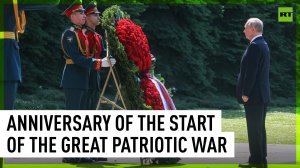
(137, 49)
(152, 97)
(135, 43)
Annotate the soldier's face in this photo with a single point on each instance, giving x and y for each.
(93, 19)
(78, 18)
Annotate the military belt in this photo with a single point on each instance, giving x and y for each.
(7, 35)
(69, 61)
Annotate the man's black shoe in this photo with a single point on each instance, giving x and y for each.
(247, 165)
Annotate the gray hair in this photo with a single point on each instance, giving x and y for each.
(255, 23)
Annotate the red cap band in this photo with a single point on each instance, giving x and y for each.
(73, 9)
(91, 10)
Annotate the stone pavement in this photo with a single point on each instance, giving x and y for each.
(277, 154)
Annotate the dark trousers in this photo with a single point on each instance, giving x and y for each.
(10, 93)
(90, 99)
(256, 116)
(73, 98)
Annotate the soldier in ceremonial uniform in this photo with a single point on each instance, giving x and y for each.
(15, 21)
(96, 51)
(79, 61)
(14, 14)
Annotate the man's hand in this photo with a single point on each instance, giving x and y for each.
(245, 99)
(105, 62)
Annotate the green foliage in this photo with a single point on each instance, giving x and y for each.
(41, 55)
(147, 107)
(135, 11)
(42, 99)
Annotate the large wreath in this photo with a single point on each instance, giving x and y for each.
(129, 45)
(135, 43)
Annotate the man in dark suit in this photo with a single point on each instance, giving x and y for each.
(253, 90)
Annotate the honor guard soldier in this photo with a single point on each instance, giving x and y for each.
(15, 21)
(97, 51)
(79, 62)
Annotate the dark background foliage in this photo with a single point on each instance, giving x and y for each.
(198, 49)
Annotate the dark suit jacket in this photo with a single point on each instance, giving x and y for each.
(253, 79)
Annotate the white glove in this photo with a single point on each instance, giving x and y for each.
(105, 62)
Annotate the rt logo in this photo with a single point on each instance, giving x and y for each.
(285, 14)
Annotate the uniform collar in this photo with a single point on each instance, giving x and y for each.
(90, 29)
(77, 27)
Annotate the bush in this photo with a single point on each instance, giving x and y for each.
(41, 99)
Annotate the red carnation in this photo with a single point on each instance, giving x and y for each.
(151, 94)
(135, 43)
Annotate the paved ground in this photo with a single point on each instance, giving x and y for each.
(283, 154)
